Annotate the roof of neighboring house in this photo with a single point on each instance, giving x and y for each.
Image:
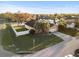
(44, 17)
(30, 23)
(71, 18)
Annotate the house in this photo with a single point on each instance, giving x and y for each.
(30, 23)
(46, 17)
(71, 25)
(72, 19)
(71, 22)
(53, 23)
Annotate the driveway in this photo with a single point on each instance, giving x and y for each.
(65, 37)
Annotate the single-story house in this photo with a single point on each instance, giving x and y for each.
(71, 25)
(53, 23)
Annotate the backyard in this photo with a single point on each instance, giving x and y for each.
(27, 42)
(20, 28)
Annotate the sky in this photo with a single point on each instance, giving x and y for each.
(40, 7)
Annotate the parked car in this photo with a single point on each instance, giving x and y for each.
(76, 53)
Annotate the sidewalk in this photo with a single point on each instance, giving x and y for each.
(65, 37)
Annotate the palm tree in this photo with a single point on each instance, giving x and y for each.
(54, 17)
(42, 26)
(62, 22)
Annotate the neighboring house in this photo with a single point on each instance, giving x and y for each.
(71, 25)
(30, 23)
(72, 19)
(54, 24)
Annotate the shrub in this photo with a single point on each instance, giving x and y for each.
(68, 31)
(32, 31)
(61, 27)
(77, 24)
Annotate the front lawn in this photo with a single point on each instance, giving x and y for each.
(20, 28)
(27, 42)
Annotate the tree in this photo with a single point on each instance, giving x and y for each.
(42, 26)
(62, 22)
(32, 31)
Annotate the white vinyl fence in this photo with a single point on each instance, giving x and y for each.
(20, 33)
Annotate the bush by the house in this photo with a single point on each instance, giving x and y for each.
(32, 31)
(68, 31)
(77, 24)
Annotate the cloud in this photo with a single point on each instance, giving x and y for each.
(4, 7)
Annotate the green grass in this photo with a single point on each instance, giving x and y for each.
(68, 31)
(20, 28)
(25, 42)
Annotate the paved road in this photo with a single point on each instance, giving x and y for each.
(69, 48)
(53, 50)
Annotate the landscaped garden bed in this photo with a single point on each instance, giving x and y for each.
(27, 42)
(20, 28)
